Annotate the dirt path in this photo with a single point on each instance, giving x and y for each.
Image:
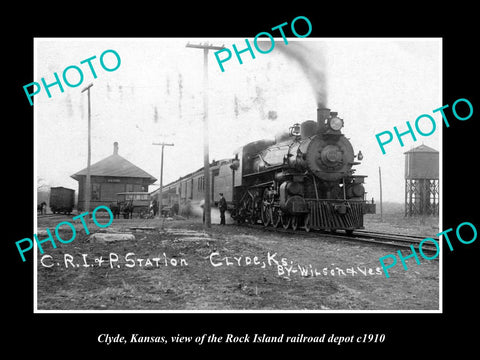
(227, 268)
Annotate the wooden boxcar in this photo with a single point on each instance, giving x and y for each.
(62, 200)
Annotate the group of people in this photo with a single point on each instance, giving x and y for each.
(42, 208)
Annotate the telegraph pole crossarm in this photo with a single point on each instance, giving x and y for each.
(205, 46)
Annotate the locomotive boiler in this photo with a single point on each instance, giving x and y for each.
(304, 178)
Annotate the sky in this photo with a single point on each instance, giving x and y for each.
(156, 95)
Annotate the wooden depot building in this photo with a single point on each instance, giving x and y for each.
(110, 176)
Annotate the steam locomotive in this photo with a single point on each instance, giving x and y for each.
(303, 179)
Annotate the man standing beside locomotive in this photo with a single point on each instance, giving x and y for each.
(222, 206)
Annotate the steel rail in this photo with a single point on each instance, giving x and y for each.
(377, 238)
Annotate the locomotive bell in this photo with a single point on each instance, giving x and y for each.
(295, 130)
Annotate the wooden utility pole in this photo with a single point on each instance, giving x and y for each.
(89, 156)
(160, 190)
(206, 161)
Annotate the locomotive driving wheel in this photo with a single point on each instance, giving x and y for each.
(252, 209)
(295, 221)
(286, 220)
(307, 223)
(246, 210)
(266, 209)
(276, 218)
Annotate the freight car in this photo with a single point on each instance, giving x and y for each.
(62, 200)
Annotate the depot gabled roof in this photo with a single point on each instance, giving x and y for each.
(115, 166)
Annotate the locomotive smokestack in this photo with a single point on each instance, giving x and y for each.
(322, 115)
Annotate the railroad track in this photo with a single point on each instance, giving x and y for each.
(375, 233)
(389, 239)
(39, 216)
(364, 236)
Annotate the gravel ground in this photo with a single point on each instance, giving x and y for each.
(183, 267)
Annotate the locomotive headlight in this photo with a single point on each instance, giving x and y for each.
(336, 123)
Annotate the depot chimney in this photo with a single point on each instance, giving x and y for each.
(115, 148)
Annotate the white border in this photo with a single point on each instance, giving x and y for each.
(307, 312)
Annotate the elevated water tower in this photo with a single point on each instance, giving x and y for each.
(421, 181)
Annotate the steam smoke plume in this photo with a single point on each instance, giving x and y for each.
(311, 60)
